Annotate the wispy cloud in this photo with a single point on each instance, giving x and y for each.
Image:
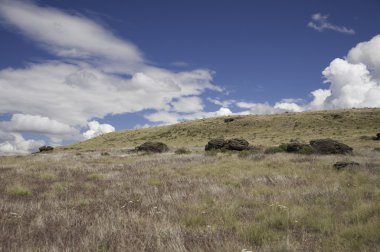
(320, 23)
(96, 73)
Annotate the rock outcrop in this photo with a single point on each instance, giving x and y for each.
(46, 148)
(329, 146)
(157, 147)
(237, 144)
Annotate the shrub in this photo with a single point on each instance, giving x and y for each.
(280, 148)
(104, 154)
(19, 191)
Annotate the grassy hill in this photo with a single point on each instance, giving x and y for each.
(353, 126)
(97, 196)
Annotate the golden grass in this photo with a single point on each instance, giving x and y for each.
(96, 196)
(193, 202)
(354, 127)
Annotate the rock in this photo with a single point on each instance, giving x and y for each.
(377, 137)
(216, 143)
(238, 144)
(153, 147)
(46, 148)
(341, 165)
(329, 146)
(227, 120)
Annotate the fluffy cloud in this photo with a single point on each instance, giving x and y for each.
(319, 22)
(353, 82)
(96, 74)
(97, 129)
(165, 117)
(37, 124)
(14, 143)
(188, 104)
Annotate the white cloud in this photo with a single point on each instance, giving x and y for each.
(320, 23)
(353, 82)
(97, 129)
(14, 143)
(188, 104)
(257, 108)
(288, 106)
(37, 124)
(223, 103)
(165, 117)
(96, 74)
(367, 53)
(69, 35)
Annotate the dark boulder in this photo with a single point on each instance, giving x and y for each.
(153, 147)
(377, 137)
(227, 120)
(341, 165)
(46, 148)
(217, 143)
(329, 146)
(238, 144)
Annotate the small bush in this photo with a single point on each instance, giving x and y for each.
(19, 191)
(95, 177)
(104, 154)
(181, 151)
(280, 148)
(307, 150)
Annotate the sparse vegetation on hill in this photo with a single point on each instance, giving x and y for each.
(101, 195)
(348, 126)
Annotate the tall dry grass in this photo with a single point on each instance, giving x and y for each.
(195, 202)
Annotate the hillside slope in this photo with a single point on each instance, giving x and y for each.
(95, 196)
(353, 126)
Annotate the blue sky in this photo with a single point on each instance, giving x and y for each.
(125, 64)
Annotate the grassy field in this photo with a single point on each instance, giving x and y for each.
(96, 196)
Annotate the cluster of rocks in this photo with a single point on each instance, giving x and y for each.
(46, 148)
(319, 146)
(237, 144)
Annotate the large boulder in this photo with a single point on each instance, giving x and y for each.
(153, 147)
(217, 143)
(329, 146)
(238, 144)
(46, 148)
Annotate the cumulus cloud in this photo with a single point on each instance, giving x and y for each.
(14, 143)
(188, 104)
(97, 129)
(353, 82)
(166, 117)
(320, 23)
(37, 124)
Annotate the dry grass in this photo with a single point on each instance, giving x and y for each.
(98, 196)
(194, 202)
(354, 127)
